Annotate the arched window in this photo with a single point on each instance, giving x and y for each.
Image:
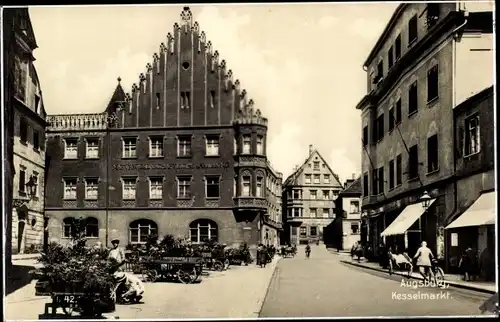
(202, 230)
(141, 229)
(91, 227)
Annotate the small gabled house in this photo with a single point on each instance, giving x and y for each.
(309, 195)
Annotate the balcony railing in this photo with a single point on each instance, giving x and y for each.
(77, 122)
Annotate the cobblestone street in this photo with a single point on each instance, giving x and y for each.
(323, 286)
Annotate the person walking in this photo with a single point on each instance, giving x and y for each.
(424, 258)
(261, 256)
(308, 251)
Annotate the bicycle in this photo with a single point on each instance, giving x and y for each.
(438, 272)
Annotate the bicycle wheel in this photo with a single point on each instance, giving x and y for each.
(439, 274)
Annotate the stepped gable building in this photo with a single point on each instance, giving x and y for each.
(309, 196)
(184, 153)
(430, 58)
(25, 137)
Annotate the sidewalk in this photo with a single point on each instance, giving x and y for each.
(451, 279)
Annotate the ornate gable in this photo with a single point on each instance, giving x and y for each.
(187, 84)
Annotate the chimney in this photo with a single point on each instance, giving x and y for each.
(310, 149)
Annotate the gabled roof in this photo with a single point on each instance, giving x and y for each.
(22, 23)
(354, 189)
(292, 179)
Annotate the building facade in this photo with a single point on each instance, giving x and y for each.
(272, 221)
(25, 144)
(414, 80)
(183, 154)
(473, 223)
(309, 196)
(349, 201)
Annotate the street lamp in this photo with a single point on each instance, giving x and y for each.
(425, 200)
(31, 186)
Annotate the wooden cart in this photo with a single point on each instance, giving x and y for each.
(86, 304)
(186, 270)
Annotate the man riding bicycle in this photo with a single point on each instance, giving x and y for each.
(424, 259)
(308, 251)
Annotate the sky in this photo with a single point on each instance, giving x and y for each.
(300, 63)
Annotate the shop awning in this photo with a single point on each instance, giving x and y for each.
(482, 212)
(405, 219)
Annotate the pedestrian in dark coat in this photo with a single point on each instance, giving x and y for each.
(261, 256)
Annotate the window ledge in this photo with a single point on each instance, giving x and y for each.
(155, 198)
(128, 199)
(432, 101)
(129, 158)
(22, 193)
(155, 156)
(471, 154)
(432, 172)
(412, 42)
(412, 179)
(212, 155)
(211, 198)
(184, 156)
(412, 113)
(69, 199)
(36, 150)
(91, 158)
(65, 158)
(90, 199)
(24, 142)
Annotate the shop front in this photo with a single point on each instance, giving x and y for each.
(410, 228)
(474, 228)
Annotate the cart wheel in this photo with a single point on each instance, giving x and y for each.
(150, 275)
(218, 266)
(184, 277)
